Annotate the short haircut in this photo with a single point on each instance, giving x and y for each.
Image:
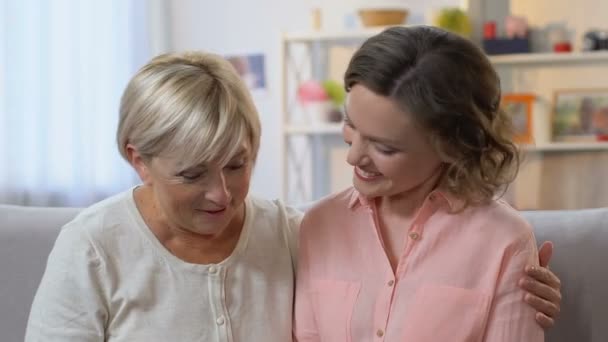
(190, 106)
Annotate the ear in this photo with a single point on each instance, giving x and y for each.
(138, 163)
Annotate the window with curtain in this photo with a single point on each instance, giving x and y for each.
(63, 67)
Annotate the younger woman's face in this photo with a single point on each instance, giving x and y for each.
(391, 155)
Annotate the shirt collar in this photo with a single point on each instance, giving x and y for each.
(357, 200)
(436, 196)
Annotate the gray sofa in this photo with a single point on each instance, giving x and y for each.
(27, 235)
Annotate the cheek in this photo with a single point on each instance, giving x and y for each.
(393, 166)
(182, 198)
(171, 201)
(239, 183)
(407, 169)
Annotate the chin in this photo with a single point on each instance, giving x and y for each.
(379, 189)
(366, 190)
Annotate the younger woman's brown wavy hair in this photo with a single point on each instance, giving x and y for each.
(452, 90)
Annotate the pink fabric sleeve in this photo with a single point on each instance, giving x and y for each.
(511, 318)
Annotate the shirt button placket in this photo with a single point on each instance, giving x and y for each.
(215, 281)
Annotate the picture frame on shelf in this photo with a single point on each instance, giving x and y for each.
(519, 106)
(251, 68)
(580, 115)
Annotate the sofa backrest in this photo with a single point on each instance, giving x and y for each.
(581, 240)
(27, 236)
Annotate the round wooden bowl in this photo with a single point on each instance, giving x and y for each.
(383, 17)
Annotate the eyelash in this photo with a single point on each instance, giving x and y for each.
(386, 152)
(347, 122)
(191, 178)
(236, 167)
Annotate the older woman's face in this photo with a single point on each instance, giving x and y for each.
(390, 154)
(203, 199)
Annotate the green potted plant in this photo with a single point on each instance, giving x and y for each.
(455, 20)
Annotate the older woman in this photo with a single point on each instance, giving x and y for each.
(420, 248)
(187, 255)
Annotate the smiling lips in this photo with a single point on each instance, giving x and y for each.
(366, 175)
(214, 212)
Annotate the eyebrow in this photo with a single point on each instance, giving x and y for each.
(240, 153)
(387, 142)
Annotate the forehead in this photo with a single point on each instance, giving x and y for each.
(377, 115)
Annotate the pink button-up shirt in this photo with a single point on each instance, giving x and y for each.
(456, 279)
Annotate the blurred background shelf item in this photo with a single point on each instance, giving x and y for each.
(373, 17)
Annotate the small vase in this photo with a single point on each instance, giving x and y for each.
(318, 111)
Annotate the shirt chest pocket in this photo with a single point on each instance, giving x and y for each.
(443, 313)
(333, 302)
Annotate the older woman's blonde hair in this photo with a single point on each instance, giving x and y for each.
(190, 106)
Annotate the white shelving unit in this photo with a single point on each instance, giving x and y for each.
(520, 58)
(328, 36)
(550, 58)
(300, 163)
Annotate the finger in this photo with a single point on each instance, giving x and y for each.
(544, 275)
(545, 253)
(542, 306)
(541, 290)
(544, 321)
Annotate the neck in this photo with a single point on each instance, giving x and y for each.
(407, 203)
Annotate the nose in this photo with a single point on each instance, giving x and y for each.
(356, 151)
(218, 192)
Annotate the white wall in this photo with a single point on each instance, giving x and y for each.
(244, 26)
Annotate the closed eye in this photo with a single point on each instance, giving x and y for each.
(190, 177)
(386, 150)
(234, 167)
(192, 174)
(347, 121)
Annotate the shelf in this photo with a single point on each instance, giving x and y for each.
(567, 147)
(512, 59)
(550, 58)
(329, 129)
(319, 129)
(316, 36)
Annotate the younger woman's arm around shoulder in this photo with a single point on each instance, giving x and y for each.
(511, 319)
(68, 305)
